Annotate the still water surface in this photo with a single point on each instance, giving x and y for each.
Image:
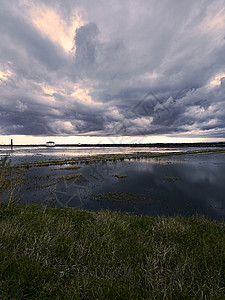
(184, 185)
(56, 152)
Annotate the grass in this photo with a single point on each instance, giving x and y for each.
(48, 253)
(77, 177)
(119, 176)
(11, 181)
(95, 177)
(70, 168)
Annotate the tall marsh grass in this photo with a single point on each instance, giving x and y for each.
(11, 181)
(48, 253)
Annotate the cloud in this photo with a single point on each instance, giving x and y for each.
(5, 75)
(112, 68)
(20, 106)
(51, 24)
(86, 44)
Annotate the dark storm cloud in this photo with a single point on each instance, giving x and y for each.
(137, 69)
(86, 44)
(23, 41)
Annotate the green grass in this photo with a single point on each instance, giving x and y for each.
(48, 253)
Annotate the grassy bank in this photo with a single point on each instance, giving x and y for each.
(50, 253)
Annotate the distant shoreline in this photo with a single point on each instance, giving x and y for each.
(153, 145)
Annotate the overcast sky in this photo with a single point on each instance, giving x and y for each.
(137, 68)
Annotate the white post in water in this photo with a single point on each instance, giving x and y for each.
(11, 144)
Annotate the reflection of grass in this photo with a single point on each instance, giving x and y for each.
(32, 184)
(119, 176)
(120, 196)
(44, 186)
(73, 254)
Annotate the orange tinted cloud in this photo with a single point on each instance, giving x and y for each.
(4, 75)
(216, 81)
(82, 94)
(50, 23)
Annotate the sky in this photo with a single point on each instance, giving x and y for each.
(94, 71)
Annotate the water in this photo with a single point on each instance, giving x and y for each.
(55, 152)
(186, 185)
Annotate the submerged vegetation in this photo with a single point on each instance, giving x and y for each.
(11, 181)
(119, 176)
(48, 253)
(76, 177)
(109, 157)
(173, 179)
(70, 168)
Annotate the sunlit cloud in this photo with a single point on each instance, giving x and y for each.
(214, 19)
(50, 23)
(4, 75)
(218, 21)
(67, 125)
(67, 68)
(77, 92)
(152, 75)
(62, 127)
(217, 80)
(48, 90)
(82, 94)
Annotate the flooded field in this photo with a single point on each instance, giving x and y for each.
(27, 153)
(188, 184)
